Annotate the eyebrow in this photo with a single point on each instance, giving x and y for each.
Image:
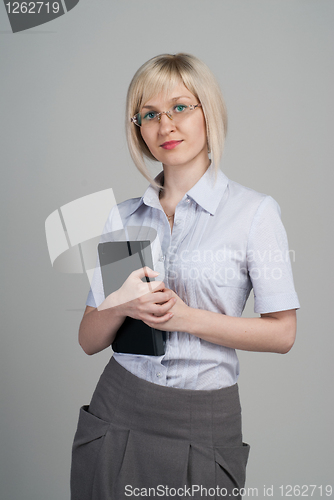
(171, 100)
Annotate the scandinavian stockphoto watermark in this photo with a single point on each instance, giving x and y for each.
(228, 265)
(227, 254)
(24, 15)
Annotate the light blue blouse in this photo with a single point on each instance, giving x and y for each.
(226, 240)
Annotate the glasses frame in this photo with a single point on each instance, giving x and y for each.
(191, 107)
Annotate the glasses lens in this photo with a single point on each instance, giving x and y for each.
(138, 119)
(148, 118)
(177, 114)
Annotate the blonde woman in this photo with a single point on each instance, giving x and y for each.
(170, 425)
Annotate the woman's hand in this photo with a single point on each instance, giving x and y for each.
(178, 316)
(142, 300)
(273, 332)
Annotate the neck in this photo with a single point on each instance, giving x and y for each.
(179, 179)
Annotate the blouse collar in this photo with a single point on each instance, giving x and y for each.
(207, 192)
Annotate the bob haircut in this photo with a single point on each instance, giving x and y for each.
(160, 75)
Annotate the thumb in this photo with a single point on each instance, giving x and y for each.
(145, 271)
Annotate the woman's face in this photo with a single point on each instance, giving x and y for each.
(184, 143)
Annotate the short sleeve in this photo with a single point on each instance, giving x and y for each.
(268, 261)
(96, 292)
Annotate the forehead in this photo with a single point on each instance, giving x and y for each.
(169, 95)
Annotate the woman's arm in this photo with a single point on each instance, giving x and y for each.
(98, 328)
(136, 299)
(272, 332)
(161, 308)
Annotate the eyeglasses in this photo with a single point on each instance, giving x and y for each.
(177, 114)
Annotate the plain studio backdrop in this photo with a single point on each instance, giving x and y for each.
(63, 88)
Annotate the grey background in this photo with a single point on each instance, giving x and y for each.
(63, 88)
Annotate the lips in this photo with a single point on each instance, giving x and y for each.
(170, 144)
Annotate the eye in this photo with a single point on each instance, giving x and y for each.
(150, 115)
(179, 108)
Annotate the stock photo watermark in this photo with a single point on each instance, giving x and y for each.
(24, 15)
(199, 491)
(228, 265)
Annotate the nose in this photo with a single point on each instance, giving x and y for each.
(166, 124)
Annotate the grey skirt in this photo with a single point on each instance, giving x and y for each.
(138, 439)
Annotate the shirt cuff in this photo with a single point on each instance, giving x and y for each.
(275, 303)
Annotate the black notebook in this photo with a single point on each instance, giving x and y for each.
(117, 260)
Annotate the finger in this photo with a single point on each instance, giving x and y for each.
(161, 298)
(158, 320)
(169, 294)
(161, 310)
(157, 286)
(164, 297)
(146, 289)
(169, 291)
(147, 305)
(145, 271)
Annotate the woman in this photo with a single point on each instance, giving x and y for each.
(170, 425)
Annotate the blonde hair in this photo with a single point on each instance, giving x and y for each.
(161, 74)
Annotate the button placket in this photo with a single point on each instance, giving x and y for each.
(182, 223)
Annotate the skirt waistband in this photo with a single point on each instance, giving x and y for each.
(128, 401)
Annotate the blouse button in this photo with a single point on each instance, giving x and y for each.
(177, 222)
(162, 258)
(159, 375)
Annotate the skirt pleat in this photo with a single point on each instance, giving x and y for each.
(138, 439)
